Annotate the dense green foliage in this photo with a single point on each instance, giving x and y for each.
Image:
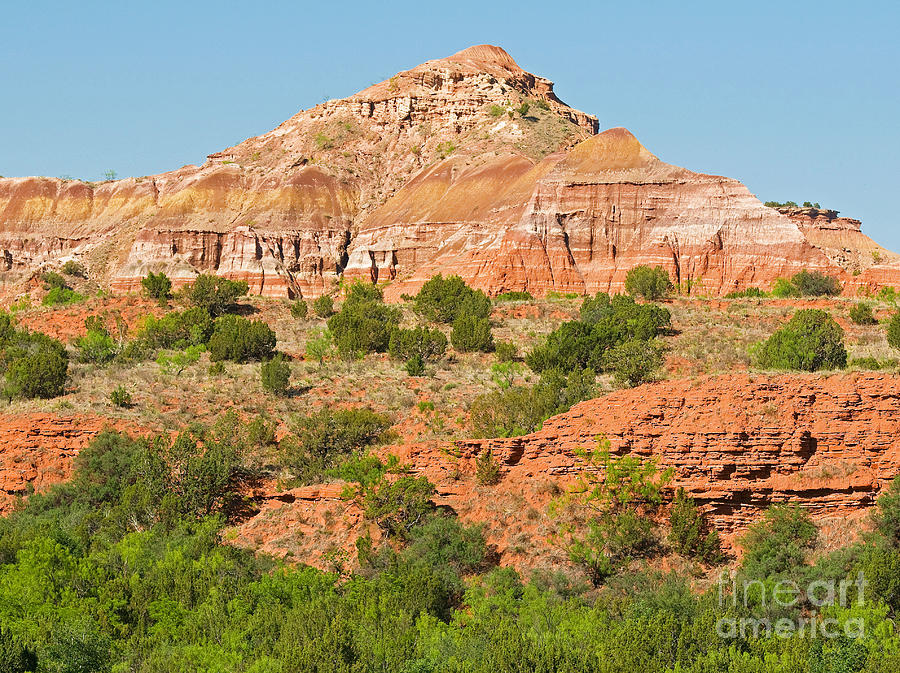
(807, 284)
(421, 343)
(747, 293)
(110, 573)
(213, 293)
(810, 341)
(157, 286)
(445, 299)
(34, 364)
(893, 331)
(73, 268)
(634, 362)
(176, 329)
(299, 310)
(651, 283)
(604, 322)
(275, 374)
(323, 306)
(519, 410)
(513, 296)
(61, 295)
(689, 533)
(862, 314)
(364, 323)
(240, 340)
(323, 440)
(471, 333)
(816, 284)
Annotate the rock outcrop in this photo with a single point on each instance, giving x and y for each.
(466, 163)
(36, 450)
(737, 443)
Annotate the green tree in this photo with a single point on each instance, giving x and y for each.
(815, 284)
(318, 346)
(810, 341)
(779, 542)
(213, 293)
(862, 314)
(364, 323)
(634, 362)
(651, 283)
(157, 286)
(299, 310)
(893, 331)
(421, 342)
(240, 340)
(689, 534)
(276, 374)
(38, 367)
(323, 306)
(471, 333)
(445, 299)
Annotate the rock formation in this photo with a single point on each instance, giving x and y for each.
(738, 443)
(466, 163)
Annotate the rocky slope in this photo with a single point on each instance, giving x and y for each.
(438, 168)
(737, 444)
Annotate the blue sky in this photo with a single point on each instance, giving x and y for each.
(800, 100)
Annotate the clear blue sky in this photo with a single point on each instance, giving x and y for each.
(800, 100)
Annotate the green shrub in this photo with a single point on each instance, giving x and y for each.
(634, 362)
(887, 294)
(73, 268)
(513, 296)
(96, 346)
(689, 535)
(487, 468)
(38, 366)
(175, 362)
(520, 410)
(321, 440)
(747, 293)
(778, 543)
(445, 299)
(506, 351)
(364, 323)
(120, 397)
(893, 331)
(216, 368)
(651, 283)
(605, 322)
(176, 329)
(815, 284)
(471, 333)
(784, 288)
(53, 280)
(871, 363)
(14, 656)
(276, 374)
(61, 295)
(157, 286)
(415, 366)
(240, 340)
(862, 314)
(887, 514)
(421, 342)
(496, 110)
(810, 341)
(318, 346)
(299, 310)
(213, 293)
(323, 306)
